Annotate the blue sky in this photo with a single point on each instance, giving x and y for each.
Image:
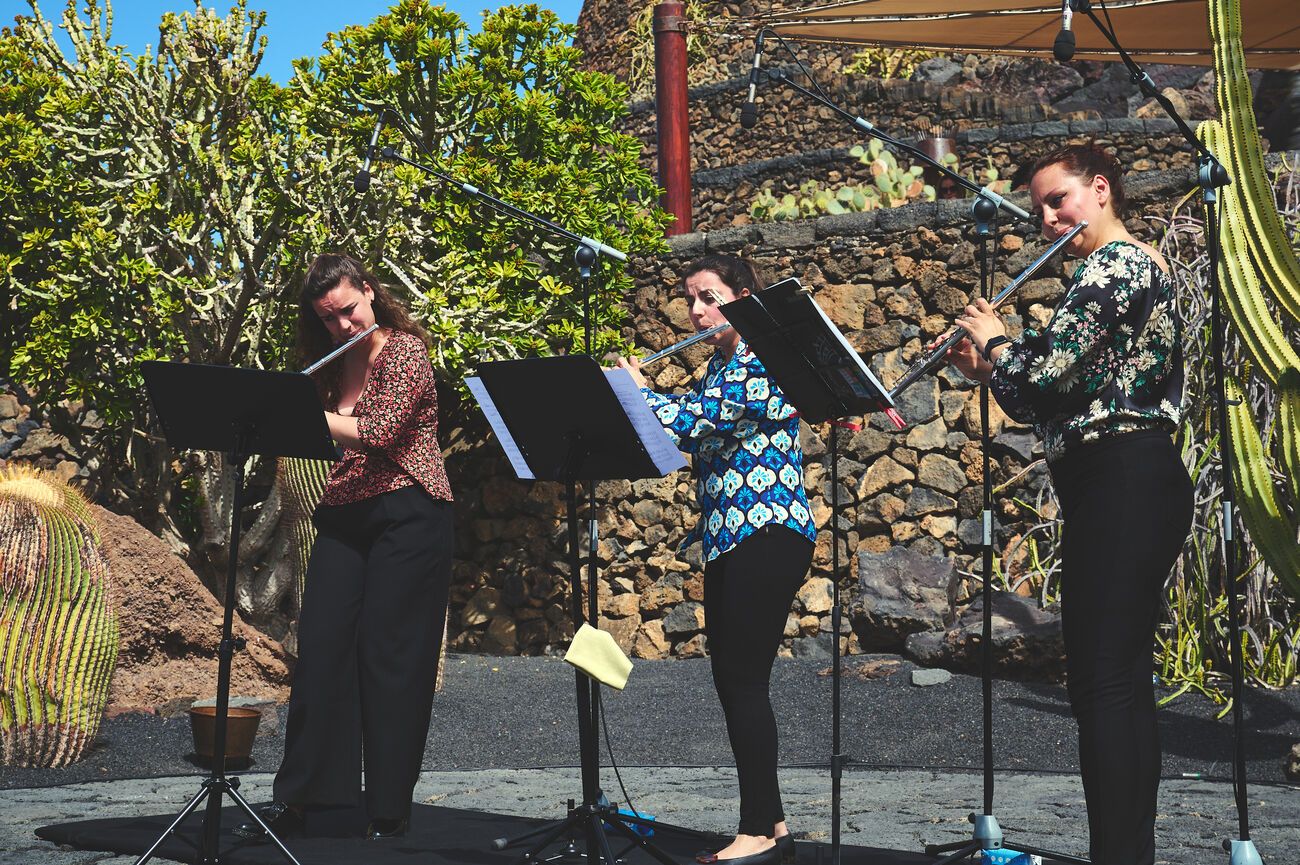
(294, 28)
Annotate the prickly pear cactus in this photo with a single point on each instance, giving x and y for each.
(58, 627)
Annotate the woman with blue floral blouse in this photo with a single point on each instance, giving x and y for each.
(757, 534)
(1103, 385)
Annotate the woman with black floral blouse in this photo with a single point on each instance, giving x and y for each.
(376, 589)
(1102, 384)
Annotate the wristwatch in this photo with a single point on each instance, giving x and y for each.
(993, 342)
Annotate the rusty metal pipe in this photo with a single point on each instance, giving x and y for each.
(672, 120)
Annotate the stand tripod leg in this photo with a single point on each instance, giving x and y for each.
(642, 842)
(963, 849)
(1052, 854)
(185, 812)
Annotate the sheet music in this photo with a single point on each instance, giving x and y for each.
(517, 461)
(863, 369)
(660, 448)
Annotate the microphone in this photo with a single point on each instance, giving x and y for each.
(749, 111)
(1063, 47)
(362, 181)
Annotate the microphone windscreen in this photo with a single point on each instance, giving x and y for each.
(362, 181)
(748, 115)
(1063, 47)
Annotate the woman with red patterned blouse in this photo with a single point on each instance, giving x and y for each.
(1103, 385)
(372, 615)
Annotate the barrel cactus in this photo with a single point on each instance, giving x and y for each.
(58, 626)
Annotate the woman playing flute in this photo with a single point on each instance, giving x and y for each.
(376, 587)
(1103, 386)
(757, 534)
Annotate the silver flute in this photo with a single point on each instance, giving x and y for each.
(686, 343)
(338, 351)
(931, 360)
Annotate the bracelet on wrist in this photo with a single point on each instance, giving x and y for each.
(992, 343)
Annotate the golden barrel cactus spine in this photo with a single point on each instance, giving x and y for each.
(58, 628)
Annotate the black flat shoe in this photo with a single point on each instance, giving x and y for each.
(770, 856)
(381, 828)
(785, 843)
(279, 817)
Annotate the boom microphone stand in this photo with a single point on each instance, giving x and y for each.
(1211, 175)
(591, 816)
(987, 833)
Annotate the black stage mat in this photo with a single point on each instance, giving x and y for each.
(438, 836)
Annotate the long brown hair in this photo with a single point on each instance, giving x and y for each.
(326, 273)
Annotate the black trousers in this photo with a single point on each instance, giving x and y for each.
(1126, 503)
(747, 595)
(368, 642)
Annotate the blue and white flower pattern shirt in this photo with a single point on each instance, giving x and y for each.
(744, 440)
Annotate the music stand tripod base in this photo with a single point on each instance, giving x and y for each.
(564, 419)
(239, 412)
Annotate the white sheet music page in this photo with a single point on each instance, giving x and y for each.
(493, 416)
(663, 453)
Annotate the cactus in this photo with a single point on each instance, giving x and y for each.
(1265, 520)
(1257, 257)
(58, 628)
(301, 483)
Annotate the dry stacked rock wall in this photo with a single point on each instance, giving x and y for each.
(723, 196)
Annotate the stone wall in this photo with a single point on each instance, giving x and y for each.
(723, 196)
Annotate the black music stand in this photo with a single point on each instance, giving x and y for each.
(826, 380)
(239, 412)
(566, 419)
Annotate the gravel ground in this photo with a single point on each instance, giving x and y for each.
(893, 809)
(519, 713)
(503, 740)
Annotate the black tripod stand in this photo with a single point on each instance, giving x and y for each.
(240, 412)
(826, 380)
(987, 833)
(563, 416)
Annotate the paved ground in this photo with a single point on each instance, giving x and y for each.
(500, 719)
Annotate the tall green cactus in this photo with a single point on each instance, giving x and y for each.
(1258, 262)
(58, 628)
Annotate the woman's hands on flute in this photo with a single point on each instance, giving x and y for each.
(982, 324)
(633, 365)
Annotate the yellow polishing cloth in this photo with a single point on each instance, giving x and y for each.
(595, 653)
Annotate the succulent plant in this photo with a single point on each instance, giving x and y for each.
(58, 625)
(301, 483)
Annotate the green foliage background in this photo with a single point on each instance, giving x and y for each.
(165, 205)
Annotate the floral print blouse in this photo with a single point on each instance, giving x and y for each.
(397, 422)
(1109, 362)
(744, 440)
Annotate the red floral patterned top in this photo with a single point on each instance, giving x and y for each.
(397, 421)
